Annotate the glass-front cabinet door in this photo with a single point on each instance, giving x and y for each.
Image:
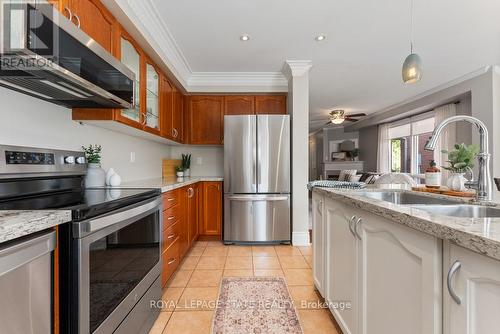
(131, 57)
(152, 109)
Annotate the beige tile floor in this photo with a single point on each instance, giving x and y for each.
(191, 292)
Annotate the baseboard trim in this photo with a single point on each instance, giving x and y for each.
(300, 238)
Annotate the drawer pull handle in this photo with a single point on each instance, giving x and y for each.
(171, 236)
(171, 218)
(171, 199)
(172, 260)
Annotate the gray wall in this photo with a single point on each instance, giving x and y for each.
(330, 134)
(368, 146)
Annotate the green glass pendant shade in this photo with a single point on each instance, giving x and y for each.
(412, 68)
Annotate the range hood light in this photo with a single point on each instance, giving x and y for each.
(64, 89)
(29, 91)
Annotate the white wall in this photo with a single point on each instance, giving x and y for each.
(212, 159)
(27, 121)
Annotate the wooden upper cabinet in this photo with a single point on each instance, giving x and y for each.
(270, 104)
(166, 107)
(178, 116)
(205, 117)
(211, 222)
(131, 55)
(151, 107)
(95, 20)
(239, 105)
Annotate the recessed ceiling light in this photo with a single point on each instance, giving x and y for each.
(320, 38)
(245, 38)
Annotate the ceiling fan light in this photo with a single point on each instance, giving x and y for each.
(337, 120)
(412, 68)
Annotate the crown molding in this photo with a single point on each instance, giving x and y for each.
(296, 68)
(160, 38)
(237, 82)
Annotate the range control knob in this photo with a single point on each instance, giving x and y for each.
(80, 160)
(70, 160)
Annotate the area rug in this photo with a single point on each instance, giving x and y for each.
(255, 305)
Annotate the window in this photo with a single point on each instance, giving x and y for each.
(407, 140)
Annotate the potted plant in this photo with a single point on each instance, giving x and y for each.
(96, 176)
(179, 170)
(461, 160)
(186, 164)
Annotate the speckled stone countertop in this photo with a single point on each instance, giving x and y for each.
(168, 184)
(481, 235)
(17, 223)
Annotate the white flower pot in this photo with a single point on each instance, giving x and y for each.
(96, 176)
(456, 181)
(180, 174)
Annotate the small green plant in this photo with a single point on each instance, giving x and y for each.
(186, 161)
(461, 157)
(93, 153)
(179, 168)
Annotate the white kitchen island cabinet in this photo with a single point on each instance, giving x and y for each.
(318, 243)
(390, 275)
(341, 266)
(399, 270)
(472, 301)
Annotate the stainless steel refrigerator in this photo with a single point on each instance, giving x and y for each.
(257, 179)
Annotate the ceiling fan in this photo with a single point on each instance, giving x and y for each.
(338, 116)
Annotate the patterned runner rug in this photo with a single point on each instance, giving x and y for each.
(255, 305)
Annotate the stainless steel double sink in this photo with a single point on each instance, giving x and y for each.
(434, 205)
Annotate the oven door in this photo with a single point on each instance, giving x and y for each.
(118, 262)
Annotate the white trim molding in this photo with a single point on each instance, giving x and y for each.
(154, 29)
(294, 68)
(237, 82)
(300, 238)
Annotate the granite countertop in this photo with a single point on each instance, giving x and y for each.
(481, 235)
(18, 223)
(167, 184)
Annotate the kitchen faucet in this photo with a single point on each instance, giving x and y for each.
(483, 184)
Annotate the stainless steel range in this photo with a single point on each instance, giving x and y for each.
(109, 255)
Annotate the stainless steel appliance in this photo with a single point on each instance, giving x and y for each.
(26, 284)
(109, 254)
(257, 179)
(45, 55)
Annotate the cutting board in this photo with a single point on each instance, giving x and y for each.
(168, 167)
(445, 191)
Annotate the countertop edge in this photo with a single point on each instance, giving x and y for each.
(427, 223)
(19, 223)
(171, 184)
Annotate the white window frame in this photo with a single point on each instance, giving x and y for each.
(413, 140)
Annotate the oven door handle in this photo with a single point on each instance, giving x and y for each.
(89, 226)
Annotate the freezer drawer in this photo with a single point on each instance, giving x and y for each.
(257, 218)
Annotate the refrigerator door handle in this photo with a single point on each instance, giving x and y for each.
(247, 198)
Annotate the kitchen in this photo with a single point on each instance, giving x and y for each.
(196, 191)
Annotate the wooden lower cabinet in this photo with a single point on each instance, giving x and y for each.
(189, 213)
(170, 260)
(211, 217)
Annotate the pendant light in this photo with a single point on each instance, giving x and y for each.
(412, 66)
